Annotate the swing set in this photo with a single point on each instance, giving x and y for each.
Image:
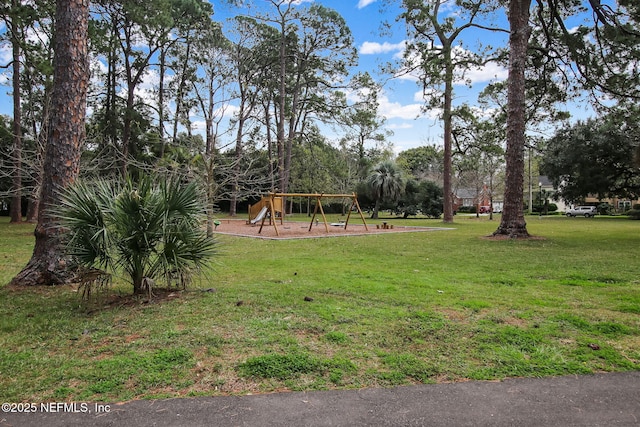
(272, 204)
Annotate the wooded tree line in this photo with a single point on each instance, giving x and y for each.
(558, 52)
(274, 75)
(281, 71)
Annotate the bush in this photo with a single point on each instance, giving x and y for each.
(550, 207)
(634, 213)
(407, 211)
(604, 208)
(432, 204)
(149, 229)
(424, 196)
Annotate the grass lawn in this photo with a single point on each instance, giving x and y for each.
(344, 312)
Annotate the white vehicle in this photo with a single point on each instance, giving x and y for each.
(585, 211)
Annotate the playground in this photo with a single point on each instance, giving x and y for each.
(266, 220)
(300, 229)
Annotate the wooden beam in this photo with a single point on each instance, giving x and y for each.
(318, 197)
(335, 196)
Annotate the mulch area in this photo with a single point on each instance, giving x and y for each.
(300, 230)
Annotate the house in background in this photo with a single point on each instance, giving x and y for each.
(472, 197)
(545, 186)
(619, 205)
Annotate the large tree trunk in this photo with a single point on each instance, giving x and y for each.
(162, 71)
(16, 197)
(235, 187)
(512, 223)
(447, 167)
(48, 264)
(376, 208)
(282, 97)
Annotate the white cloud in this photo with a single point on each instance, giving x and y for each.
(365, 3)
(199, 127)
(489, 72)
(395, 110)
(399, 126)
(5, 54)
(373, 48)
(482, 74)
(387, 108)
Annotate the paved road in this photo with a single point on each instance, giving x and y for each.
(591, 400)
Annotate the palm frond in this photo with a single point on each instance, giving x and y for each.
(149, 229)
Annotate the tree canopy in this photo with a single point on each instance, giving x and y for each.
(595, 158)
(243, 106)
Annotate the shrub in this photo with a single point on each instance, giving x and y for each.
(432, 199)
(149, 229)
(545, 209)
(604, 208)
(634, 213)
(421, 196)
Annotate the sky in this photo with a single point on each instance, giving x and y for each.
(400, 99)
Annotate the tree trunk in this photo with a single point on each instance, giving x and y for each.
(33, 206)
(376, 208)
(16, 184)
(48, 264)
(126, 127)
(162, 71)
(111, 118)
(282, 96)
(272, 167)
(180, 95)
(448, 95)
(513, 223)
(233, 207)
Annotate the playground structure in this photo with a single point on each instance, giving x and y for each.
(272, 204)
(267, 205)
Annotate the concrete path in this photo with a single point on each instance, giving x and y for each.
(590, 400)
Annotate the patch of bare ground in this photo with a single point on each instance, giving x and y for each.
(515, 321)
(454, 315)
(304, 230)
(501, 237)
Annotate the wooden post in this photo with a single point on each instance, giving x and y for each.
(315, 211)
(355, 200)
(318, 207)
(324, 218)
(272, 213)
(272, 208)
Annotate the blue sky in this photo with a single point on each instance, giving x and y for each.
(400, 99)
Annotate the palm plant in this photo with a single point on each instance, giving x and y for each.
(386, 183)
(149, 229)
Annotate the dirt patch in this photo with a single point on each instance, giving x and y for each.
(500, 237)
(300, 230)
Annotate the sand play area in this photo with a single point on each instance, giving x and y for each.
(300, 229)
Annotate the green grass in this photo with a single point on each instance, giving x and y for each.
(385, 310)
